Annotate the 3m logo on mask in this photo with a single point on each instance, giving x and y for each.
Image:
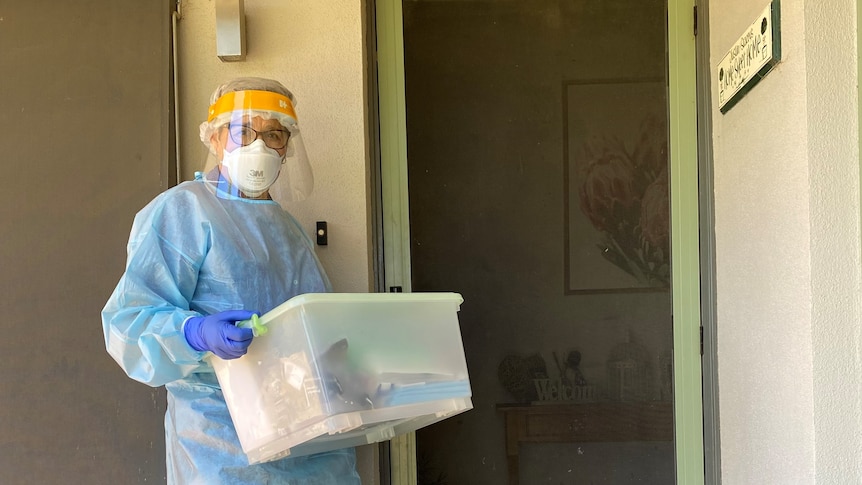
(253, 168)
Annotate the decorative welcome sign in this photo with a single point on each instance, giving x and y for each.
(752, 56)
(560, 390)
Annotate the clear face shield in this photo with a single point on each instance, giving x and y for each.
(254, 139)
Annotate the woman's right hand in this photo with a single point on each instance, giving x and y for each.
(219, 334)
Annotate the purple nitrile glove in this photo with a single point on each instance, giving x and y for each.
(219, 334)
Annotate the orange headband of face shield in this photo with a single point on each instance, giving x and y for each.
(251, 100)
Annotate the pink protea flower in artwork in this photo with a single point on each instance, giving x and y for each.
(650, 149)
(624, 195)
(608, 186)
(655, 214)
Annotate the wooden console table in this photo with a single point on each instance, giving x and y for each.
(576, 422)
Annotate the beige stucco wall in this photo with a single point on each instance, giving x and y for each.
(315, 48)
(787, 252)
(833, 154)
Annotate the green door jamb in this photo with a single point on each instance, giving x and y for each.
(688, 405)
(685, 247)
(393, 174)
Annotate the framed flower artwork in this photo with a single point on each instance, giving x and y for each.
(616, 186)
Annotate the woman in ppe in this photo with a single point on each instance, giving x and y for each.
(204, 255)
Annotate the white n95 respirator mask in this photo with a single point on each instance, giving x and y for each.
(253, 168)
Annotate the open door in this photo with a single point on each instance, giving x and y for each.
(539, 157)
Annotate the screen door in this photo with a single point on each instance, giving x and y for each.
(537, 147)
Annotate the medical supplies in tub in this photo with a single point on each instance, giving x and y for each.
(336, 370)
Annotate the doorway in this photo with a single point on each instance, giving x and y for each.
(538, 135)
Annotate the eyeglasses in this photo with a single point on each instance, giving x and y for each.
(244, 135)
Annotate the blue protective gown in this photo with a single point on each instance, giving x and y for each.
(198, 250)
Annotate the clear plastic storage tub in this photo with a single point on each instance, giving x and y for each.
(336, 370)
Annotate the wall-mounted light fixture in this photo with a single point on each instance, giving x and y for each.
(230, 30)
